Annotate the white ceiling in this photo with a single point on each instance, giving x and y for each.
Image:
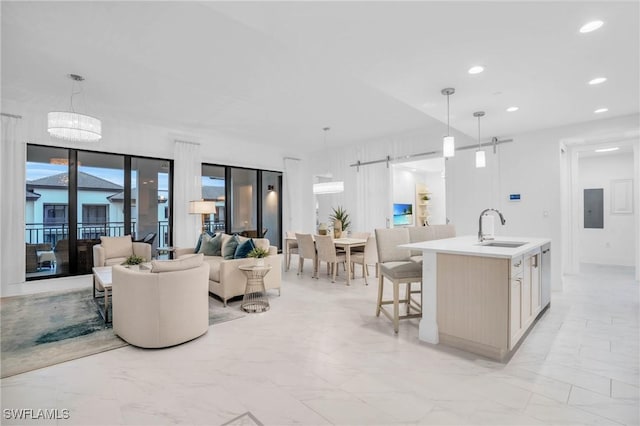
(279, 72)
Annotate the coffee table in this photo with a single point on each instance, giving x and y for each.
(102, 284)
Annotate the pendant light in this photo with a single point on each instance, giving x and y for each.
(448, 142)
(331, 187)
(72, 126)
(481, 160)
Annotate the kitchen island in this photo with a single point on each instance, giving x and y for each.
(482, 297)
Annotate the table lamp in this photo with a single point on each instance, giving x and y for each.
(203, 208)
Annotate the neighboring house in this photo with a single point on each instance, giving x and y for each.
(100, 208)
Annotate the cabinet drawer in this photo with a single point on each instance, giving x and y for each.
(517, 266)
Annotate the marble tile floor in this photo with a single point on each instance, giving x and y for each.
(320, 356)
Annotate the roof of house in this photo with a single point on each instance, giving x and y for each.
(32, 196)
(85, 181)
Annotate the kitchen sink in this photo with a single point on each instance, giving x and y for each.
(505, 244)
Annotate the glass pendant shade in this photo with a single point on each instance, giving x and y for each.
(328, 187)
(72, 126)
(480, 159)
(448, 146)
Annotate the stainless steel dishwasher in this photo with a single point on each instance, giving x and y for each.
(545, 276)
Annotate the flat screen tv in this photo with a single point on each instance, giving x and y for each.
(402, 214)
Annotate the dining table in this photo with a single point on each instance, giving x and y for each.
(345, 243)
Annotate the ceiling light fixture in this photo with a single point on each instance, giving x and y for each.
(72, 126)
(590, 26)
(448, 142)
(598, 80)
(332, 187)
(600, 110)
(607, 149)
(512, 109)
(477, 69)
(481, 160)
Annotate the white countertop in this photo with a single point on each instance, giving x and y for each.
(469, 245)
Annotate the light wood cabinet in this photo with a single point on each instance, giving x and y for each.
(486, 304)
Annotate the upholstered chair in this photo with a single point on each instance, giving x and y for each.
(115, 250)
(396, 266)
(292, 247)
(366, 258)
(306, 250)
(163, 306)
(327, 253)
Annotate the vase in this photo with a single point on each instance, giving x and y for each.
(259, 262)
(337, 229)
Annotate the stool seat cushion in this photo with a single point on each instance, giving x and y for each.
(400, 270)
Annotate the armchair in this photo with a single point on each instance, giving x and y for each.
(115, 250)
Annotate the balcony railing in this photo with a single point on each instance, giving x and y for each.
(38, 233)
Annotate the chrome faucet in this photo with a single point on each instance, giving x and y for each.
(481, 237)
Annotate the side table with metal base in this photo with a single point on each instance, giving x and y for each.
(255, 298)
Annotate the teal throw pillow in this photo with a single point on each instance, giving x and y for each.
(216, 245)
(206, 245)
(199, 243)
(230, 248)
(243, 249)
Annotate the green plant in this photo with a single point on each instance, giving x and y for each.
(258, 253)
(341, 214)
(134, 260)
(425, 198)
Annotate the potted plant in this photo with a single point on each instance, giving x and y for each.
(340, 219)
(134, 261)
(259, 254)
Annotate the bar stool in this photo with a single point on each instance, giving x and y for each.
(396, 266)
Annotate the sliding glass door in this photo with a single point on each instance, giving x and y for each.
(248, 201)
(74, 197)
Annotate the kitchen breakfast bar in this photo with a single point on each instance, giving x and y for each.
(483, 297)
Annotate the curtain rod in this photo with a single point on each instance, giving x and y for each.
(494, 142)
(4, 114)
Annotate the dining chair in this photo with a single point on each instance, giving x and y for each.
(396, 266)
(306, 250)
(327, 253)
(365, 258)
(291, 248)
(360, 235)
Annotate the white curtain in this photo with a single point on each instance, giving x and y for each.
(293, 183)
(12, 183)
(187, 186)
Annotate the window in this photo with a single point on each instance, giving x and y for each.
(55, 214)
(92, 214)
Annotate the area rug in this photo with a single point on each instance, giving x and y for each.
(44, 329)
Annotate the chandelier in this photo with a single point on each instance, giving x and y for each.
(73, 126)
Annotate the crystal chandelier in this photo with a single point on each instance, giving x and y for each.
(72, 126)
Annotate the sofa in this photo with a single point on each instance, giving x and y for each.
(226, 280)
(115, 250)
(164, 306)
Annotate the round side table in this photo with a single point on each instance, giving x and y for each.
(255, 298)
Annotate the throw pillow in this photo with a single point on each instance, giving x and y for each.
(187, 262)
(216, 245)
(206, 246)
(117, 246)
(229, 249)
(199, 243)
(243, 249)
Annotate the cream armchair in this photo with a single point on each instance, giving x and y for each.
(162, 307)
(115, 250)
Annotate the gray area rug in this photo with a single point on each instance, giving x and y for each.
(44, 329)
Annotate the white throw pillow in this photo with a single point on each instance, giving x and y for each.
(117, 246)
(186, 262)
(262, 243)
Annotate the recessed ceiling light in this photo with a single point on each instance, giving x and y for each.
(598, 80)
(607, 149)
(601, 110)
(591, 26)
(512, 109)
(477, 69)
